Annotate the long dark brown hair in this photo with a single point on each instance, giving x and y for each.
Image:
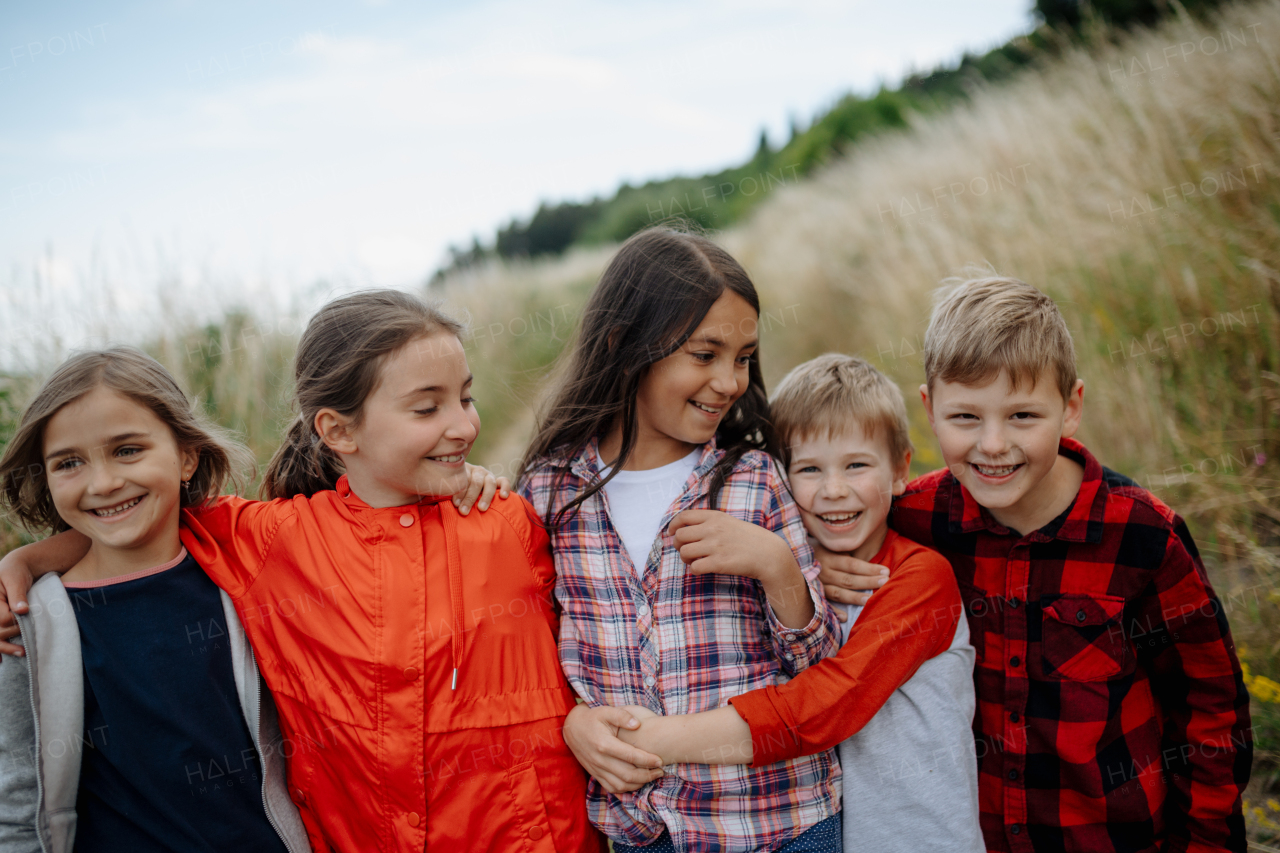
(654, 294)
(337, 367)
(24, 484)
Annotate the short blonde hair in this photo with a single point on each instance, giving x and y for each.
(823, 396)
(983, 326)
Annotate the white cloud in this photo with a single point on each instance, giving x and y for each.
(366, 151)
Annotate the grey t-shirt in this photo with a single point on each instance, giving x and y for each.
(911, 774)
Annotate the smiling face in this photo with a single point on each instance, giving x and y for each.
(844, 486)
(1001, 443)
(415, 429)
(684, 396)
(115, 473)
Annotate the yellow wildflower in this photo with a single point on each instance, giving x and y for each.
(1265, 689)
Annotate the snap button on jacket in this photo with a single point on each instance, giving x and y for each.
(412, 654)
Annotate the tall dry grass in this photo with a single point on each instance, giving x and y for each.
(1052, 179)
(1146, 201)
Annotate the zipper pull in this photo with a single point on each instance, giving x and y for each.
(455, 679)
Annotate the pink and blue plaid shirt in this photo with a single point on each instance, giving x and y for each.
(679, 643)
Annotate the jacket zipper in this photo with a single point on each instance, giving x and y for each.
(35, 717)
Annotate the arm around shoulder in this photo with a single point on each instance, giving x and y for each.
(230, 538)
(21, 567)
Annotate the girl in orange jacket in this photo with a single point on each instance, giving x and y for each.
(411, 651)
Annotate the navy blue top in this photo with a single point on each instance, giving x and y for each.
(168, 762)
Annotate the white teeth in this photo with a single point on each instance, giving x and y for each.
(991, 471)
(706, 409)
(116, 510)
(839, 517)
(457, 457)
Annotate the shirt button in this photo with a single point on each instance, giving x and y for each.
(649, 681)
(535, 832)
(790, 638)
(1013, 717)
(1016, 829)
(789, 656)
(406, 520)
(1013, 775)
(1080, 616)
(1014, 661)
(643, 610)
(1014, 602)
(414, 820)
(410, 673)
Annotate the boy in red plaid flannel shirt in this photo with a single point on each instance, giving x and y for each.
(1112, 714)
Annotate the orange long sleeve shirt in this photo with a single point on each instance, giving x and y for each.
(909, 620)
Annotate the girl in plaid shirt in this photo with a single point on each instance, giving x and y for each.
(652, 467)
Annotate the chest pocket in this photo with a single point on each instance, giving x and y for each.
(1082, 637)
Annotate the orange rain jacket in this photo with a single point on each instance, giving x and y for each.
(412, 655)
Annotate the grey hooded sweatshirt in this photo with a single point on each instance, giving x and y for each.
(42, 723)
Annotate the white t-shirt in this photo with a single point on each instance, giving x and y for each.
(639, 499)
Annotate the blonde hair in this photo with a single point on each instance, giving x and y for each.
(24, 486)
(983, 326)
(824, 395)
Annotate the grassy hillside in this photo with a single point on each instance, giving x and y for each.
(1138, 182)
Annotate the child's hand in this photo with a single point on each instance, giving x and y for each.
(711, 737)
(633, 736)
(714, 542)
(21, 566)
(592, 735)
(15, 580)
(842, 576)
(482, 484)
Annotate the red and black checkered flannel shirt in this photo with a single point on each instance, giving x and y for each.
(1112, 715)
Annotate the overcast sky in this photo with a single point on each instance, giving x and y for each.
(290, 142)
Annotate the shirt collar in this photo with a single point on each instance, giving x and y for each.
(343, 488)
(1081, 522)
(351, 499)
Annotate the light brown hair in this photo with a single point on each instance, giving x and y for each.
(983, 326)
(337, 367)
(24, 487)
(824, 395)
